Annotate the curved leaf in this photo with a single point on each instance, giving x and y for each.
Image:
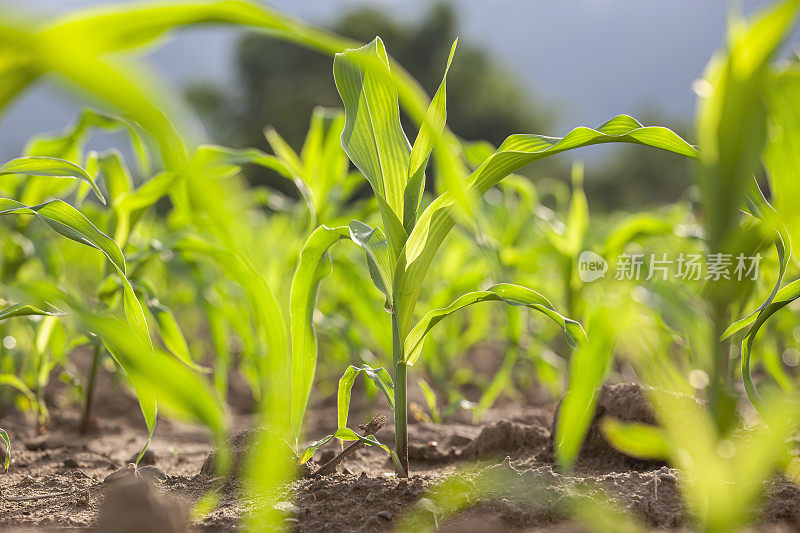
(431, 128)
(70, 223)
(220, 161)
(13, 381)
(588, 367)
(157, 376)
(783, 297)
(516, 152)
(342, 433)
(266, 313)
(172, 335)
(731, 118)
(379, 261)
(29, 309)
(303, 295)
(781, 155)
(379, 376)
(69, 144)
(50, 166)
(636, 439)
(502, 292)
(308, 451)
(759, 207)
(634, 227)
(373, 137)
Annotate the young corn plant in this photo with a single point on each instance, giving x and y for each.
(747, 96)
(68, 222)
(399, 254)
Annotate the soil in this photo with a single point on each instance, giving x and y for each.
(502, 472)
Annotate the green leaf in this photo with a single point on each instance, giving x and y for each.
(373, 137)
(430, 400)
(325, 163)
(631, 228)
(50, 166)
(308, 451)
(502, 292)
(781, 155)
(350, 435)
(123, 28)
(7, 441)
(578, 215)
(588, 367)
(760, 208)
(284, 152)
(221, 162)
(264, 310)
(172, 335)
(342, 433)
(157, 376)
(516, 152)
(70, 143)
(731, 118)
(29, 309)
(303, 296)
(379, 260)
(783, 297)
(111, 165)
(635, 439)
(379, 376)
(429, 132)
(70, 223)
(148, 193)
(13, 381)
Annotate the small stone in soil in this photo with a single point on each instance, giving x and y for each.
(133, 505)
(386, 515)
(370, 497)
(152, 473)
(149, 458)
(70, 463)
(126, 472)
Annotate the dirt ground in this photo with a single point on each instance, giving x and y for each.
(502, 470)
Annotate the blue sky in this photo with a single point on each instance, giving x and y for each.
(590, 59)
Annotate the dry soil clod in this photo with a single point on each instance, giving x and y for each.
(133, 505)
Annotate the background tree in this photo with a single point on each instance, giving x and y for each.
(279, 84)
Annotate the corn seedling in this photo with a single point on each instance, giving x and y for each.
(731, 124)
(399, 254)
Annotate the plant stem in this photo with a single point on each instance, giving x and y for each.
(400, 399)
(723, 403)
(87, 406)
